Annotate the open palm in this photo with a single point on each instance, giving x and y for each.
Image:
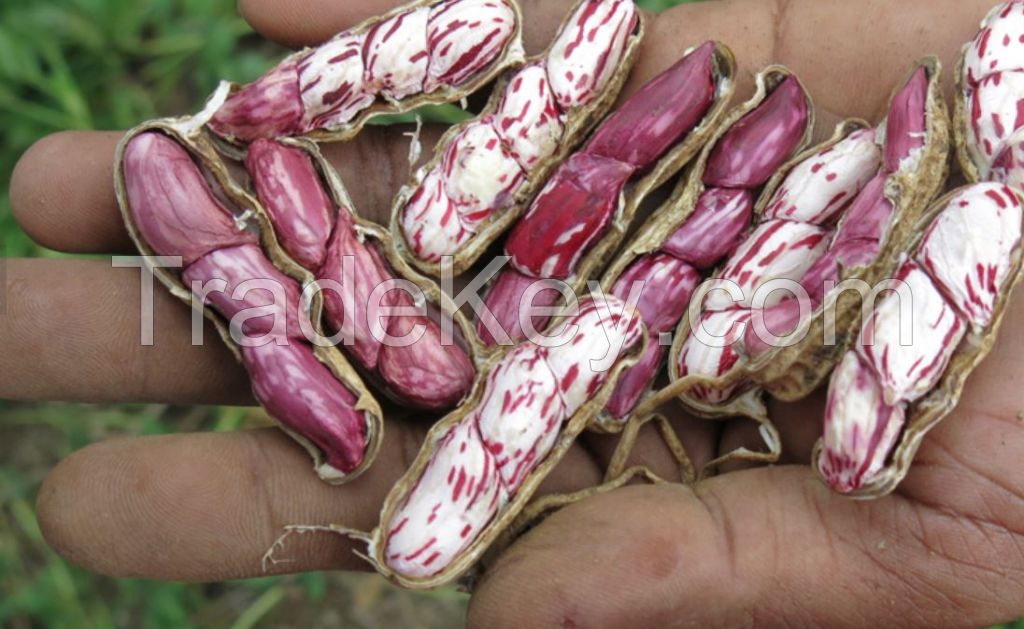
(764, 546)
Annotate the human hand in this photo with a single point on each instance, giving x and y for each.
(762, 546)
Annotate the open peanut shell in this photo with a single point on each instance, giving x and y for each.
(922, 416)
(511, 56)
(375, 235)
(250, 217)
(462, 566)
(673, 214)
(795, 372)
(579, 121)
(629, 202)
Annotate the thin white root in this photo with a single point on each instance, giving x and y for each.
(415, 145)
(772, 440)
(301, 529)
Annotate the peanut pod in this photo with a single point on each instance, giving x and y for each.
(791, 232)
(916, 166)
(587, 207)
(486, 170)
(952, 291)
(422, 53)
(723, 378)
(163, 178)
(482, 463)
(315, 221)
(987, 118)
(702, 221)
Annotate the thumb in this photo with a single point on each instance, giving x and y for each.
(759, 547)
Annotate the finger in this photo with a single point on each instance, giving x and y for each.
(62, 197)
(79, 322)
(298, 23)
(853, 55)
(759, 547)
(740, 434)
(114, 508)
(376, 164)
(61, 191)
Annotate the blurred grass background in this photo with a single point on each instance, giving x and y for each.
(109, 64)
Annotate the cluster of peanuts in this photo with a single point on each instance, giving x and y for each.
(336, 317)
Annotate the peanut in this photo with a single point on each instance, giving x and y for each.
(330, 80)
(643, 129)
(714, 349)
(324, 413)
(993, 115)
(303, 215)
(481, 464)
(843, 254)
(990, 78)
(776, 249)
(174, 210)
(670, 283)
(795, 240)
(1008, 166)
(635, 382)
(463, 36)
(869, 215)
(425, 374)
(585, 191)
(529, 119)
(395, 55)
(967, 257)
(997, 46)
(935, 329)
(857, 455)
(816, 189)
(368, 271)
(424, 52)
(583, 56)
(886, 394)
(720, 216)
(752, 150)
(572, 216)
(906, 124)
(485, 169)
(506, 300)
(701, 224)
(459, 493)
(237, 265)
(428, 373)
(171, 210)
(480, 174)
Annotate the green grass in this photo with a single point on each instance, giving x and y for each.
(109, 64)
